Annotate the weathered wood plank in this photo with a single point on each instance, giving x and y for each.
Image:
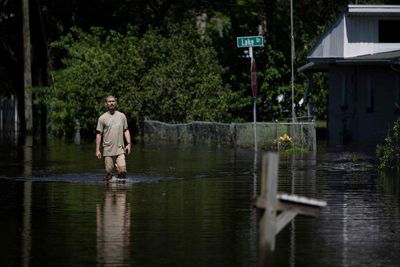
(270, 202)
(299, 208)
(283, 219)
(291, 198)
(269, 185)
(282, 206)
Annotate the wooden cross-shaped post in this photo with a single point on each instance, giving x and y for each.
(271, 202)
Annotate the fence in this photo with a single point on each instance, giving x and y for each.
(232, 134)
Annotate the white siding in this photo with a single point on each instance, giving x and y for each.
(352, 36)
(363, 100)
(331, 43)
(361, 36)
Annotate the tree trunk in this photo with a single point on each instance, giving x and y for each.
(26, 37)
(262, 20)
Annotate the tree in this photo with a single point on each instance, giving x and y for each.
(26, 37)
(222, 22)
(172, 78)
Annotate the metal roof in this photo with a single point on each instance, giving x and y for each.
(379, 56)
(365, 10)
(355, 40)
(322, 64)
(355, 32)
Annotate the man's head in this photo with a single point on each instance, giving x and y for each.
(111, 103)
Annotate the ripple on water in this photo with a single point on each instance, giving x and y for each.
(91, 178)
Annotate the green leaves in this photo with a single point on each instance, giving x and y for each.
(184, 83)
(389, 151)
(173, 78)
(97, 64)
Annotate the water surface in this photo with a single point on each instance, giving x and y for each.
(189, 206)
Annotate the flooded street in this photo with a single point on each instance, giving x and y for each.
(189, 206)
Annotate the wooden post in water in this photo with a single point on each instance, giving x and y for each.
(269, 178)
(289, 205)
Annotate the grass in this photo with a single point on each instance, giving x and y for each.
(293, 150)
(320, 124)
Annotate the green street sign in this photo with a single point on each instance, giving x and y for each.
(250, 41)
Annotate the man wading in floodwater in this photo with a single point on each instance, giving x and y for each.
(113, 127)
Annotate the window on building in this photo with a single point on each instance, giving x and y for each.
(389, 31)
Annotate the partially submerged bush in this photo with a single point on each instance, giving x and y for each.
(389, 151)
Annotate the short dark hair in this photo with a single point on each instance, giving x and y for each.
(107, 97)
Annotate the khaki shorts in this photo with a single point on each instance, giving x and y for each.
(115, 161)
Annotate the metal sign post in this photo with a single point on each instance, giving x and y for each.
(250, 42)
(253, 74)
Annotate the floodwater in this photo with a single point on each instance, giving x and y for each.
(189, 206)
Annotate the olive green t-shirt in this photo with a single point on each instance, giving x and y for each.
(112, 126)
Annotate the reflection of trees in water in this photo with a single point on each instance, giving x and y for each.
(390, 184)
(26, 230)
(113, 226)
(28, 155)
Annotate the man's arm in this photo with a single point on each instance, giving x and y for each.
(98, 141)
(128, 141)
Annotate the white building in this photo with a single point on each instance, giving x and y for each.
(361, 54)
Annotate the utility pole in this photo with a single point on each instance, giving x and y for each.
(292, 58)
(253, 75)
(26, 38)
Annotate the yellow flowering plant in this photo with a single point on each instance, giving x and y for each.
(282, 143)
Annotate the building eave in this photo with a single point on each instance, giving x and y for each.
(323, 64)
(378, 11)
(373, 10)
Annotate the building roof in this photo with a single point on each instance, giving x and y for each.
(391, 55)
(354, 39)
(367, 10)
(356, 32)
(322, 64)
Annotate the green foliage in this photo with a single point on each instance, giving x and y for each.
(160, 64)
(183, 82)
(319, 95)
(389, 151)
(98, 64)
(295, 150)
(173, 78)
(274, 85)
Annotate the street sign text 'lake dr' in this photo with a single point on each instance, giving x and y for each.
(250, 41)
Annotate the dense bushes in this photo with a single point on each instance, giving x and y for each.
(173, 77)
(389, 151)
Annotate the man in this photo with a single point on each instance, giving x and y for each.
(112, 126)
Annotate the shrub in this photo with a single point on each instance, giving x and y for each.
(171, 77)
(389, 151)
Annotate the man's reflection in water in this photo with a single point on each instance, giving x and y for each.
(113, 219)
